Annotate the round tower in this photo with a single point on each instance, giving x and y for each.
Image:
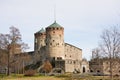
(39, 39)
(55, 41)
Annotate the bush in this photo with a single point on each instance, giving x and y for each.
(47, 67)
(30, 73)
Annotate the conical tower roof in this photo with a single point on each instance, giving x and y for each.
(41, 31)
(54, 25)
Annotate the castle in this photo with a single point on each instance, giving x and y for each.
(49, 44)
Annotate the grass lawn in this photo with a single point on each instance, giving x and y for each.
(21, 77)
(34, 78)
(61, 77)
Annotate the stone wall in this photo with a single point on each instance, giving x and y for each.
(85, 66)
(55, 42)
(73, 58)
(96, 66)
(72, 52)
(56, 50)
(104, 67)
(39, 40)
(115, 67)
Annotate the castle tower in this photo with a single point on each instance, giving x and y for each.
(55, 41)
(39, 39)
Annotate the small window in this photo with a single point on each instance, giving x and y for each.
(53, 31)
(57, 43)
(53, 40)
(65, 55)
(91, 70)
(74, 62)
(53, 58)
(50, 43)
(119, 71)
(98, 71)
(53, 28)
(59, 58)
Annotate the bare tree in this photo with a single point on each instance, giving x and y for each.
(110, 46)
(12, 43)
(3, 58)
(96, 53)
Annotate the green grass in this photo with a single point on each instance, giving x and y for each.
(58, 77)
(22, 77)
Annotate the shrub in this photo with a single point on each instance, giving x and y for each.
(29, 72)
(47, 67)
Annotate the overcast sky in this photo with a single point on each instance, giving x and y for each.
(83, 20)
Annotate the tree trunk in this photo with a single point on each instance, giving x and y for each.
(111, 70)
(8, 71)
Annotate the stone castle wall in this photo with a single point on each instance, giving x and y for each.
(73, 58)
(72, 52)
(52, 46)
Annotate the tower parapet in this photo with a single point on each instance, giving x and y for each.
(55, 41)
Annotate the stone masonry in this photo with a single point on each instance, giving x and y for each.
(49, 44)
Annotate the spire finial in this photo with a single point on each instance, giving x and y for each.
(54, 12)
